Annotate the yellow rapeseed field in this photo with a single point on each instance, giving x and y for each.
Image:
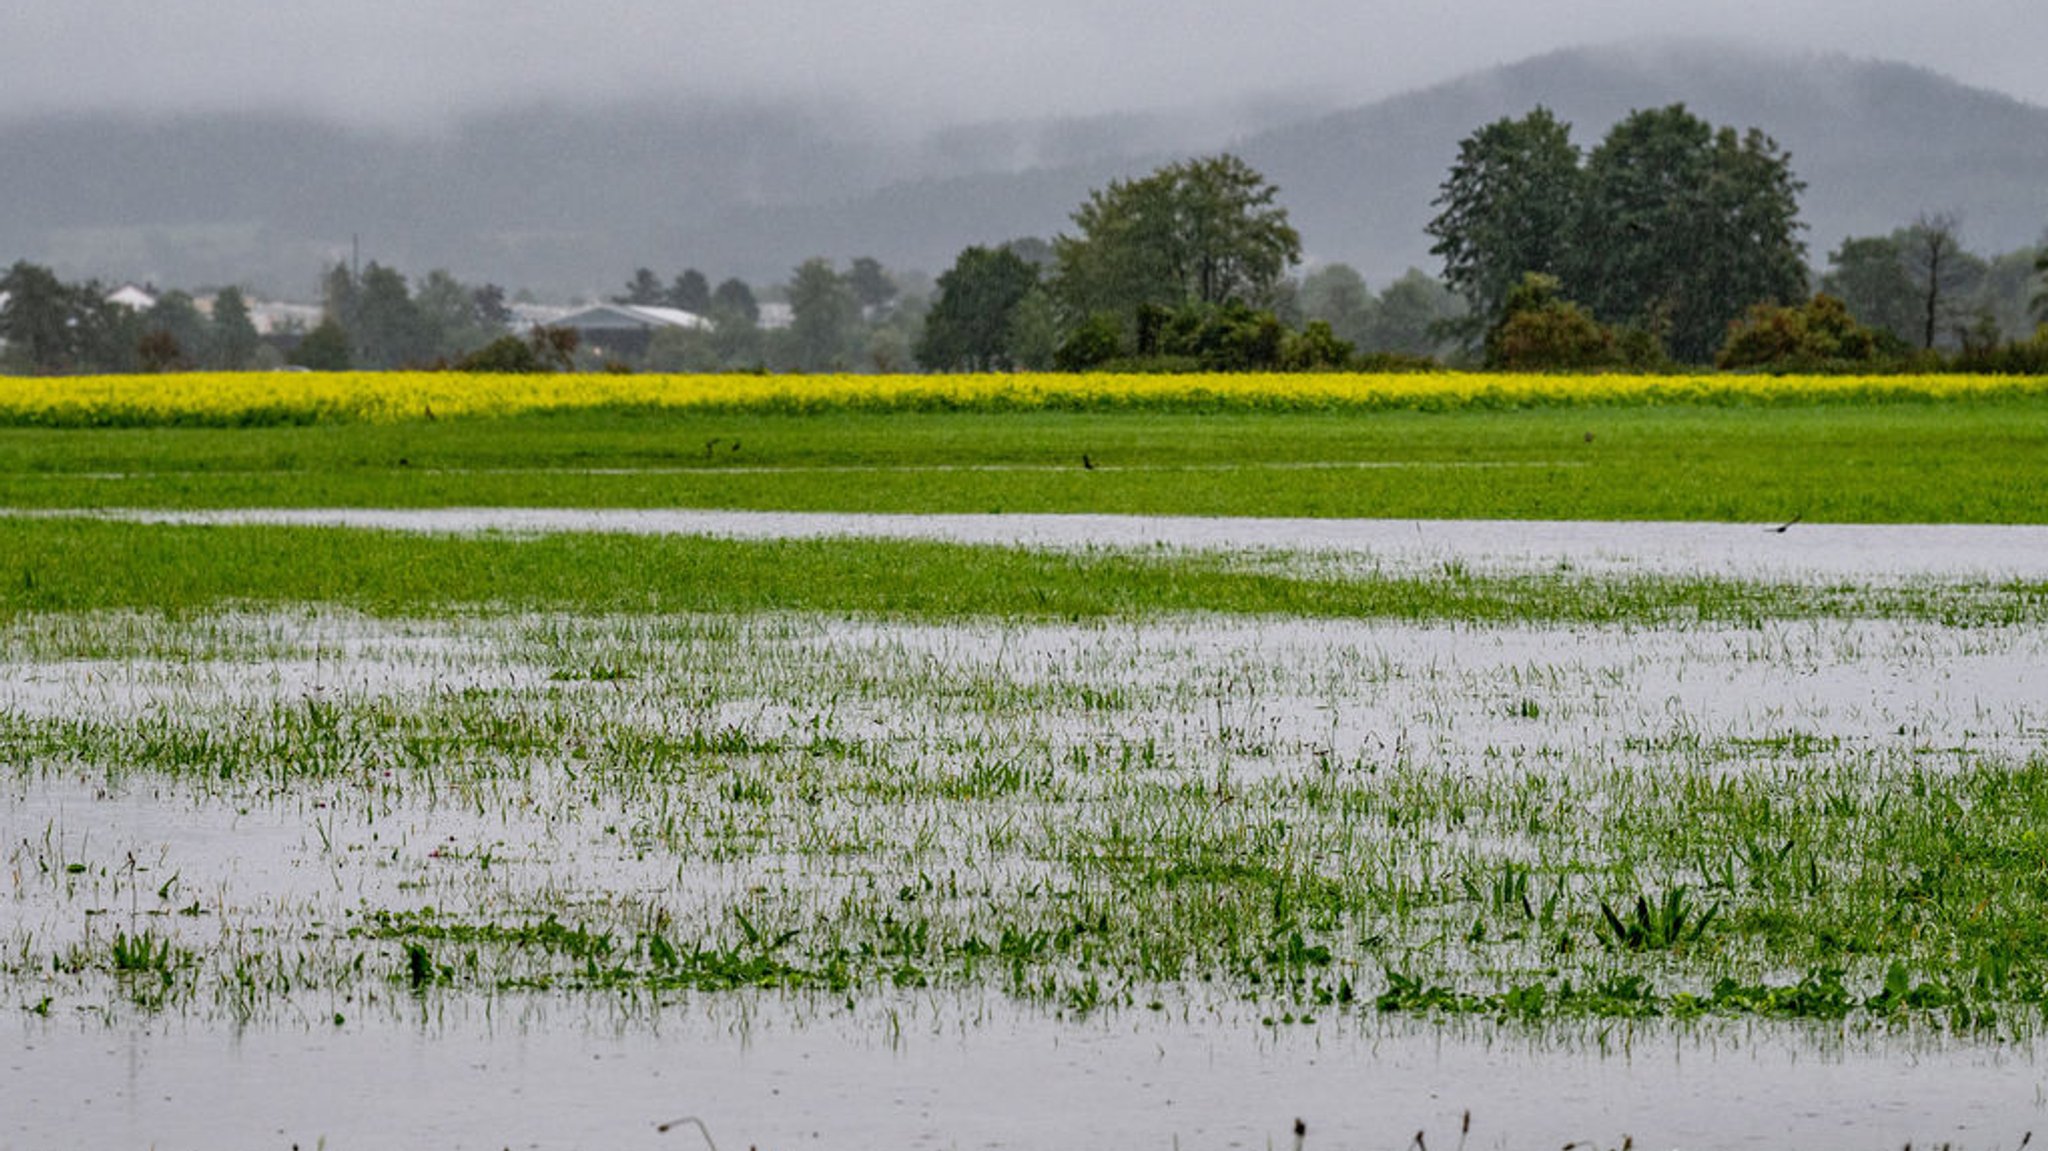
(229, 398)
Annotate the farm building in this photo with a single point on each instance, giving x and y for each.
(624, 330)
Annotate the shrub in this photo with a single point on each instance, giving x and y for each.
(1814, 336)
(1541, 330)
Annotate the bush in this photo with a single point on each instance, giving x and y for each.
(1540, 330)
(1098, 340)
(504, 354)
(1315, 348)
(2020, 358)
(1815, 336)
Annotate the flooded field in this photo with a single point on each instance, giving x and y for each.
(1799, 550)
(509, 880)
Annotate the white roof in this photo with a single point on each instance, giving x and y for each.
(632, 315)
(134, 297)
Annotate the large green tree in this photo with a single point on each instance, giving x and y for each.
(824, 313)
(1336, 294)
(1868, 274)
(235, 339)
(691, 292)
(1201, 231)
(1941, 272)
(2040, 300)
(39, 320)
(1510, 207)
(1685, 226)
(972, 322)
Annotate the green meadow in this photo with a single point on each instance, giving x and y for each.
(1903, 462)
(580, 768)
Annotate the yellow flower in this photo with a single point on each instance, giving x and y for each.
(231, 398)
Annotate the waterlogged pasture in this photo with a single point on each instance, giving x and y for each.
(1247, 867)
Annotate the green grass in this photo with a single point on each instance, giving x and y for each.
(69, 565)
(1904, 462)
(875, 820)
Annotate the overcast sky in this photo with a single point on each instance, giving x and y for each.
(419, 62)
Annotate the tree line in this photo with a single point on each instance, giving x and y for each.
(1670, 241)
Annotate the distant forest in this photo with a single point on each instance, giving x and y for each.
(1913, 203)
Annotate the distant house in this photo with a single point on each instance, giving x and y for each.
(623, 331)
(129, 295)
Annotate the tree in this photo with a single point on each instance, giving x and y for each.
(389, 331)
(734, 297)
(324, 349)
(691, 292)
(1509, 207)
(1336, 295)
(1684, 226)
(644, 288)
(1868, 275)
(871, 284)
(234, 335)
(971, 324)
(1414, 316)
(39, 317)
(1939, 269)
(1203, 231)
(179, 334)
(451, 324)
(491, 309)
(824, 313)
(2040, 301)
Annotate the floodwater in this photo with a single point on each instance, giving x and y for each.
(987, 1076)
(1817, 551)
(967, 1070)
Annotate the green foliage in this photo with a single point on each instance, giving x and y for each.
(1655, 925)
(1868, 274)
(1315, 348)
(2040, 301)
(1415, 316)
(644, 288)
(691, 292)
(1336, 295)
(1540, 330)
(324, 349)
(871, 284)
(1941, 274)
(734, 298)
(1684, 227)
(1818, 335)
(234, 335)
(1203, 231)
(505, 354)
(826, 312)
(972, 323)
(1670, 225)
(1230, 338)
(1509, 207)
(1092, 343)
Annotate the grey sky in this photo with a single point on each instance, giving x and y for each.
(417, 62)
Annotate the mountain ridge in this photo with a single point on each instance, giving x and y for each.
(571, 200)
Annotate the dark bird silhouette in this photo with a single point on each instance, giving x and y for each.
(1780, 529)
(1086, 462)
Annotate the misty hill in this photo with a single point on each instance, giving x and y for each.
(1875, 142)
(572, 200)
(553, 198)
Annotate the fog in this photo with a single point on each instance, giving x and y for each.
(914, 64)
